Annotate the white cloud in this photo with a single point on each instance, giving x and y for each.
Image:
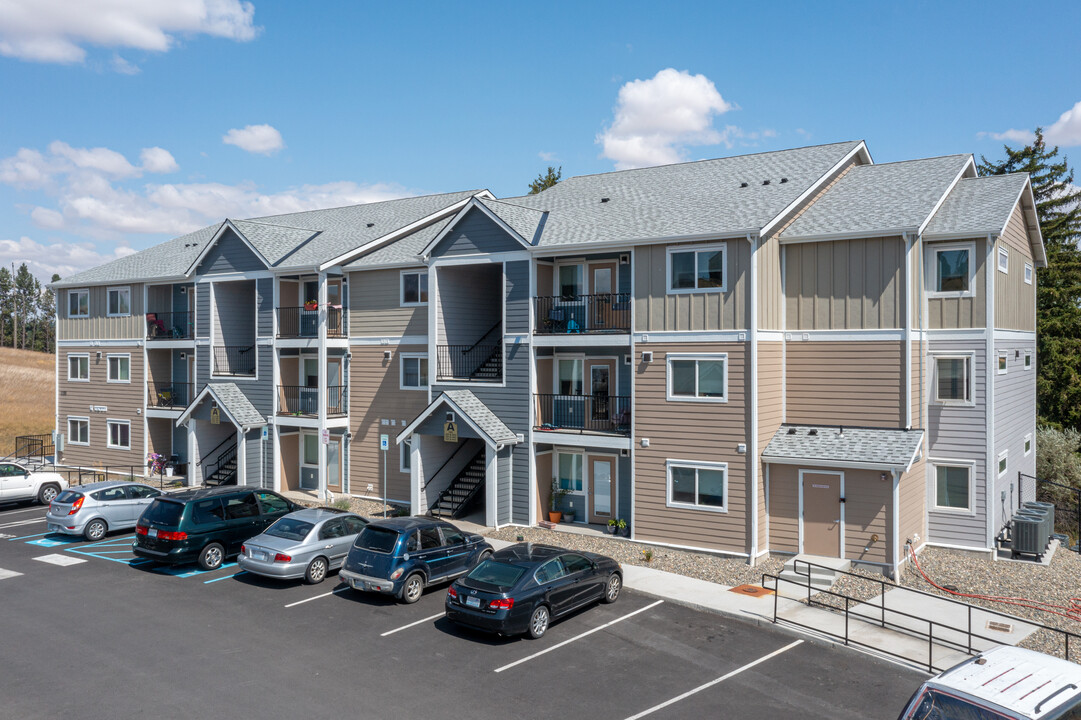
(124, 67)
(656, 119)
(56, 257)
(1011, 135)
(46, 218)
(158, 160)
(106, 161)
(1067, 129)
(259, 139)
(57, 31)
(547, 156)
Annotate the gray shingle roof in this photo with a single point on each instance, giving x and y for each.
(235, 402)
(170, 259)
(879, 198)
(860, 447)
(400, 252)
(978, 206)
(525, 221)
(484, 418)
(273, 241)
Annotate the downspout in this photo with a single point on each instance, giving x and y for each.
(896, 545)
(752, 454)
(991, 470)
(909, 244)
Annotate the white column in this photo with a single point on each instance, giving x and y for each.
(491, 488)
(322, 397)
(276, 449)
(416, 472)
(192, 464)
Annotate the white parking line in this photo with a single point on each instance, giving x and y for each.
(5, 513)
(5, 574)
(711, 683)
(301, 602)
(18, 523)
(59, 559)
(579, 637)
(406, 627)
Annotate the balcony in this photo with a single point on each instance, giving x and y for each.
(480, 362)
(169, 395)
(170, 326)
(583, 314)
(584, 414)
(303, 401)
(234, 360)
(299, 322)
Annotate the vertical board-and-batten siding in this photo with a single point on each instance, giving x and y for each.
(99, 326)
(657, 310)
(470, 302)
(1015, 300)
(770, 416)
(230, 255)
(375, 307)
(957, 313)
(1015, 418)
(476, 234)
(845, 383)
(845, 285)
(517, 301)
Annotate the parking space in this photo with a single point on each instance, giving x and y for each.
(190, 641)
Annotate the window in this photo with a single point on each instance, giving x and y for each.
(78, 431)
(79, 367)
(549, 571)
(119, 301)
(570, 281)
(570, 472)
(78, 303)
(272, 503)
(1004, 260)
(701, 486)
(451, 536)
(1028, 444)
(331, 529)
(207, 511)
(952, 270)
(414, 288)
(311, 449)
(1003, 462)
(119, 435)
(353, 525)
(700, 269)
(1028, 359)
(140, 492)
(115, 494)
(1002, 363)
(429, 538)
(406, 451)
(1028, 273)
(952, 375)
(243, 506)
(701, 378)
(120, 368)
(571, 376)
(953, 490)
(414, 372)
(576, 564)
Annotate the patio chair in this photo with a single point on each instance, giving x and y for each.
(573, 326)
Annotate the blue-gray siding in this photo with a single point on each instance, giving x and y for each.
(264, 299)
(623, 488)
(229, 255)
(1015, 418)
(517, 278)
(503, 492)
(475, 234)
(202, 310)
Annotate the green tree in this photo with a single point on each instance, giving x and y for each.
(1058, 290)
(546, 180)
(27, 292)
(7, 287)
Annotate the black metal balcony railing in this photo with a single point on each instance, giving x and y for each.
(234, 360)
(169, 395)
(302, 401)
(297, 322)
(170, 325)
(608, 312)
(598, 413)
(470, 363)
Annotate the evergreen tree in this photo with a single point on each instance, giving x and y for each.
(27, 292)
(1058, 290)
(546, 180)
(7, 286)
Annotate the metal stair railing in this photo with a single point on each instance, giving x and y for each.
(229, 453)
(458, 506)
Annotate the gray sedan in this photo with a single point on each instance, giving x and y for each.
(94, 509)
(304, 544)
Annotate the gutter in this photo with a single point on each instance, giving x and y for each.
(753, 394)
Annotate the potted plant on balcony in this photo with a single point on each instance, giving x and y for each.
(558, 493)
(568, 516)
(311, 305)
(624, 529)
(613, 526)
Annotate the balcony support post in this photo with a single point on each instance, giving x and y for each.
(322, 396)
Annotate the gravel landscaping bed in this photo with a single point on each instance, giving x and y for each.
(368, 508)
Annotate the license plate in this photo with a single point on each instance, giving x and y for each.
(472, 601)
(54, 528)
(262, 556)
(152, 532)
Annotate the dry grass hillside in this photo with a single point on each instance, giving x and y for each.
(27, 395)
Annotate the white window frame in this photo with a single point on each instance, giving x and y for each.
(1028, 360)
(696, 465)
(933, 505)
(1029, 273)
(557, 288)
(109, 368)
(669, 357)
(555, 470)
(722, 247)
(79, 291)
(108, 302)
(109, 434)
(1002, 362)
(970, 377)
(401, 288)
(932, 270)
(406, 448)
(1028, 444)
(1003, 262)
(401, 371)
(1002, 456)
(85, 356)
(83, 419)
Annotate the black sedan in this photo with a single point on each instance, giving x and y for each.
(522, 588)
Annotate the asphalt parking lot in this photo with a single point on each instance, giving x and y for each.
(88, 631)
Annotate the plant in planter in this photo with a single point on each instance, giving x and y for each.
(558, 493)
(613, 526)
(624, 528)
(311, 305)
(568, 517)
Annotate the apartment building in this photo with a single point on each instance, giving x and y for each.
(795, 351)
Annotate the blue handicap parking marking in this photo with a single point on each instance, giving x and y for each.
(224, 577)
(52, 541)
(187, 572)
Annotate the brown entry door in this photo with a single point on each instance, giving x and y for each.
(602, 488)
(822, 513)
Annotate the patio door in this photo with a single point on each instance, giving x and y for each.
(335, 387)
(569, 404)
(334, 464)
(602, 499)
(309, 390)
(309, 461)
(602, 287)
(601, 379)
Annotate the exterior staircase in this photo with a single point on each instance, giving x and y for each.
(462, 491)
(491, 370)
(225, 467)
(795, 579)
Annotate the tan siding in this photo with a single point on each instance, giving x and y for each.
(919, 373)
(1015, 300)
(913, 493)
(868, 512)
(783, 508)
(770, 290)
(717, 429)
(125, 401)
(845, 383)
(656, 310)
(956, 313)
(159, 365)
(374, 396)
(770, 415)
(160, 435)
(544, 484)
(845, 284)
(98, 326)
(375, 306)
(290, 461)
(545, 274)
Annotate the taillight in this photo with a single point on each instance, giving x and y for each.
(502, 604)
(452, 592)
(77, 505)
(243, 549)
(167, 535)
(397, 573)
(282, 557)
(141, 529)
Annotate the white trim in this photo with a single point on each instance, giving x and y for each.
(109, 368)
(950, 546)
(402, 302)
(1030, 273)
(109, 422)
(78, 418)
(696, 465)
(969, 356)
(752, 456)
(234, 277)
(473, 202)
(851, 335)
(402, 357)
(999, 469)
(910, 251)
(1002, 362)
(841, 509)
(369, 340)
(669, 336)
(847, 235)
(1003, 253)
(405, 448)
(999, 334)
(578, 340)
(931, 268)
(228, 225)
(932, 487)
(848, 465)
(480, 259)
(1027, 361)
(860, 149)
(721, 247)
(989, 393)
(770, 335)
(601, 442)
(1028, 444)
(81, 291)
(76, 356)
(696, 357)
(118, 289)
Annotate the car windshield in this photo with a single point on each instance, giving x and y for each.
(163, 512)
(498, 574)
(377, 539)
(937, 705)
(68, 496)
(290, 529)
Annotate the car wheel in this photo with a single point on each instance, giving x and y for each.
(612, 588)
(95, 530)
(211, 557)
(484, 556)
(413, 588)
(316, 572)
(538, 622)
(47, 494)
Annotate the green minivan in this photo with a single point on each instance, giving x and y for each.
(206, 526)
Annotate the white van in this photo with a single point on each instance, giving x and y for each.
(1004, 683)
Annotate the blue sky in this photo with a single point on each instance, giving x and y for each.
(113, 134)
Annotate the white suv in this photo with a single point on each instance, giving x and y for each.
(18, 484)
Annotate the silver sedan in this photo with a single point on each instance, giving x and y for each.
(97, 508)
(303, 544)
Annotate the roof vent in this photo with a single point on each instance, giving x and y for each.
(784, 180)
(371, 224)
(812, 432)
(791, 431)
(765, 182)
(604, 200)
(842, 432)
(743, 184)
